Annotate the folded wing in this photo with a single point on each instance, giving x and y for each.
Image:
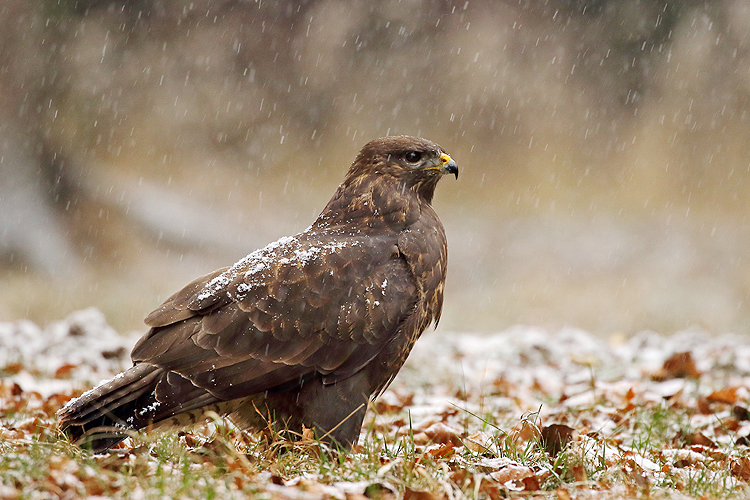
(283, 313)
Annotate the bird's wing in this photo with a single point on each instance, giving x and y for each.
(310, 303)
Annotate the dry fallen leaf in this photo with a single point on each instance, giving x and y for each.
(441, 450)
(727, 395)
(740, 413)
(65, 371)
(512, 473)
(740, 468)
(491, 490)
(531, 483)
(555, 437)
(439, 433)
(31, 425)
(693, 438)
(392, 401)
(12, 368)
(728, 424)
(502, 387)
(16, 390)
(478, 442)
(524, 432)
(704, 406)
(678, 365)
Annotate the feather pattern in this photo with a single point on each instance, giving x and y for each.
(306, 329)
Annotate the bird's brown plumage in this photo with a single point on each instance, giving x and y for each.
(303, 331)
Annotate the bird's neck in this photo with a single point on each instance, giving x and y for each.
(375, 201)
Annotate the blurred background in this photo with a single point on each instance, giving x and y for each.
(604, 148)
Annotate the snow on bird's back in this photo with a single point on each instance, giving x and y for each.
(286, 251)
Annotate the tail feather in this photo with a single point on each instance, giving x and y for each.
(140, 397)
(107, 414)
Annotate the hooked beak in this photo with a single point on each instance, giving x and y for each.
(448, 165)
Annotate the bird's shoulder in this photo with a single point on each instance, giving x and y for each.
(310, 269)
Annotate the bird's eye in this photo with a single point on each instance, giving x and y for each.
(413, 156)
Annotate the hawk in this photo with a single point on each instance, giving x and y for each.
(302, 332)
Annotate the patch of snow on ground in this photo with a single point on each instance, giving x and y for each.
(523, 370)
(82, 342)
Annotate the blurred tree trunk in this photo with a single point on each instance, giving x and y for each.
(30, 230)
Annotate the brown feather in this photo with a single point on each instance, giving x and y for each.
(305, 329)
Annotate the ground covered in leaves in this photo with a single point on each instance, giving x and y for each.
(520, 413)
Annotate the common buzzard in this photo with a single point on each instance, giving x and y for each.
(301, 332)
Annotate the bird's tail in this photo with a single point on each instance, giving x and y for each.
(107, 414)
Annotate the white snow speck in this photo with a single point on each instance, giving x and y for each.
(257, 261)
(149, 409)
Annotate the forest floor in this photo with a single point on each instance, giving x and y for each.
(521, 413)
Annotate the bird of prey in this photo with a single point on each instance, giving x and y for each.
(302, 332)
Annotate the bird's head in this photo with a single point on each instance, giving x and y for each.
(413, 162)
(389, 182)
